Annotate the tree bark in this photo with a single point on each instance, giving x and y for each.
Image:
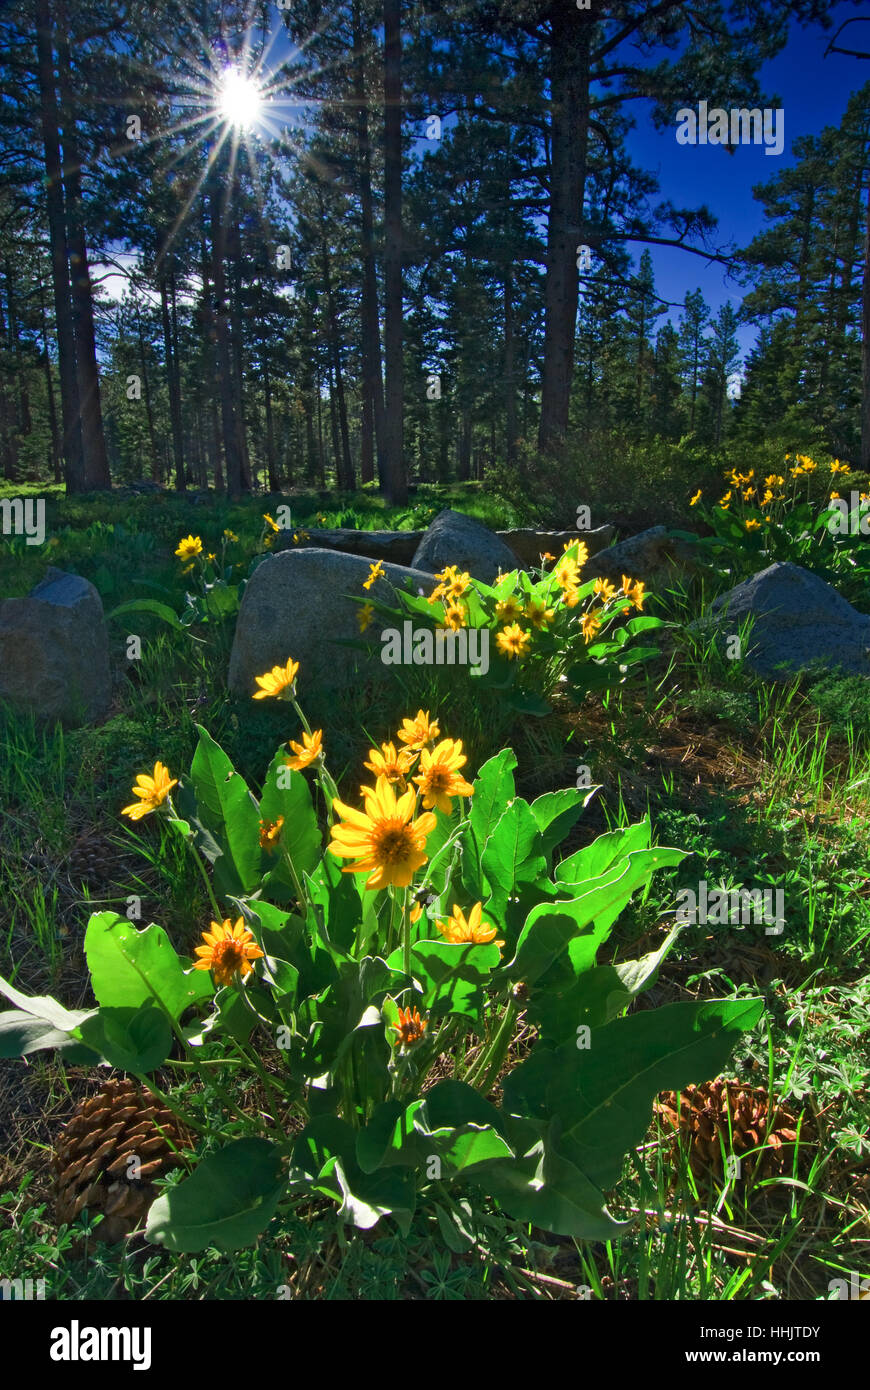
(96, 459)
(510, 385)
(149, 413)
(223, 355)
(56, 452)
(865, 352)
(343, 461)
(74, 467)
(569, 119)
(394, 464)
(172, 385)
(237, 349)
(274, 481)
(372, 385)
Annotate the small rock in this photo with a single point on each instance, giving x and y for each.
(456, 539)
(800, 622)
(295, 605)
(54, 650)
(651, 555)
(397, 547)
(529, 545)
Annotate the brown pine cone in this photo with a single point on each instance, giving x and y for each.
(108, 1155)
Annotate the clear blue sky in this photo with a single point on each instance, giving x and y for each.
(812, 91)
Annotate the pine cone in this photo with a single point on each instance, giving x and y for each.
(93, 1157)
(728, 1117)
(92, 860)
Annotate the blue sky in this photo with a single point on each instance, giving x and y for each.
(812, 90)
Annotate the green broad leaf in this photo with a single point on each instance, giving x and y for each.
(347, 1020)
(130, 967)
(323, 1138)
(595, 997)
(337, 907)
(638, 654)
(148, 605)
(44, 1007)
(282, 977)
(452, 1123)
(366, 1197)
(593, 860)
(546, 1189)
(547, 940)
(527, 702)
(227, 1201)
(493, 789)
(513, 852)
(555, 814)
(277, 931)
(324, 1160)
(601, 1097)
(22, 1033)
(645, 623)
(454, 1232)
(440, 854)
(131, 1039)
(452, 977)
(284, 934)
(288, 794)
(229, 812)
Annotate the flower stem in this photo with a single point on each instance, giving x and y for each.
(483, 1074)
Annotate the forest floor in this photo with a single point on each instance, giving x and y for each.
(766, 786)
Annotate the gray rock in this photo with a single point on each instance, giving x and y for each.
(397, 547)
(54, 650)
(652, 556)
(799, 622)
(456, 539)
(400, 547)
(295, 605)
(529, 545)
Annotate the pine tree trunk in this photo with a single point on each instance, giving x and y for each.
(394, 463)
(865, 353)
(343, 461)
(8, 446)
(96, 460)
(56, 452)
(174, 402)
(372, 386)
(149, 413)
(74, 467)
(274, 481)
(510, 385)
(223, 355)
(569, 102)
(237, 352)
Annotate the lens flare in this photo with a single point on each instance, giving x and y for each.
(241, 101)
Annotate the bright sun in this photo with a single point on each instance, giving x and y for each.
(240, 101)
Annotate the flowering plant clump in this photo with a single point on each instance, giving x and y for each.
(214, 594)
(371, 974)
(556, 630)
(797, 513)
